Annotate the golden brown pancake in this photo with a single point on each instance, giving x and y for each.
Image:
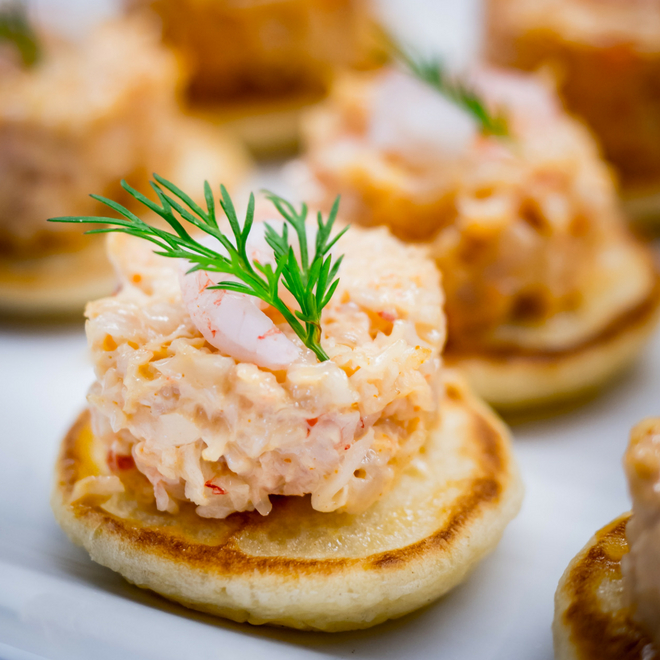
(592, 619)
(267, 126)
(58, 284)
(643, 208)
(513, 378)
(298, 567)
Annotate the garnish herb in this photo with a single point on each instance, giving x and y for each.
(431, 71)
(16, 29)
(311, 278)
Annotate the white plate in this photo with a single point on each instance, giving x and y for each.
(55, 603)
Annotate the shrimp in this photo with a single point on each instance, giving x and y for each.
(413, 120)
(235, 323)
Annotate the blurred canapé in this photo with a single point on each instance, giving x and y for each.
(253, 65)
(76, 118)
(605, 58)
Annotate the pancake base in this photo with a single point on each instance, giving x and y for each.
(592, 621)
(301, 568)
(513, 380)
(268, 127)
(643, 207)
(56, 285)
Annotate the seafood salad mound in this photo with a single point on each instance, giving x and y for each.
(525, 227)
(270, 48)
(598, 22)
(218, 402)
(87, 115)
(605, 57)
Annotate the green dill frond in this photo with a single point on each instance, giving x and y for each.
(15, 28)
(431, 71)
(310, 275)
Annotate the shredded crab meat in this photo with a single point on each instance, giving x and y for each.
(208, 427)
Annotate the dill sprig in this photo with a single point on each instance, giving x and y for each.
(311, 281)
(15, 28)
(311, 277)
(431, 71)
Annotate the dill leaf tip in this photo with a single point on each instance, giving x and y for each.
(311, 275)
(17, 30)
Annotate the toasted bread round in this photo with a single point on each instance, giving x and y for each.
(643, 207)
(514, 379)
(298, 567)
(592, 620)
(61, 284)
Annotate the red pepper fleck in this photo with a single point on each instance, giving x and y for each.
(312, 422)
(387, 316)
(347, 447)
(216, 489)
(119, 462)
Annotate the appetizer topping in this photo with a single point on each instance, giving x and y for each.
(608, 25)
(410, 120)
(605, 58)
(641, 567)
(212, 427)
(15, 29)
(270, 48)
(424, 114)
(424, 128)
(118, 462)
(224, 318)
(234, 323)
(432, 72)
(527, 231)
